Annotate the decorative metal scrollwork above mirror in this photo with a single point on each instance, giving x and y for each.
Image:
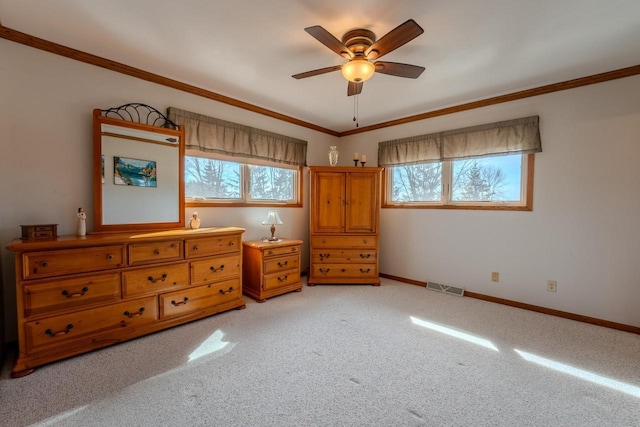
(138, 169)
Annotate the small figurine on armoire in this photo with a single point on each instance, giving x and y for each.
(195, 221)
(81, 228)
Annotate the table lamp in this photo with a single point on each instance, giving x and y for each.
(272, 219)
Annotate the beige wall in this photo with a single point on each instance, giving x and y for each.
(583, 231)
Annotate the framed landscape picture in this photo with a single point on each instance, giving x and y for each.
(134, 172)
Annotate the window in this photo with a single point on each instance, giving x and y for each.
(210, 181)
(493, 182)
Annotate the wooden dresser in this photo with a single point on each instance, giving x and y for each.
(345, 217)
(76, 294)
(271, 268)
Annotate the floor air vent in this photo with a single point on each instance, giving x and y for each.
(447, 289)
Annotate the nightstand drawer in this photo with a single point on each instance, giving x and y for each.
(272, 265)
(281, 279)
(271, 252)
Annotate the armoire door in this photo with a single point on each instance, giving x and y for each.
(362, 202)
(328, 202)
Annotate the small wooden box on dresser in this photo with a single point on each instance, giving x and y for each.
(271, 268)
(77, 294)
(345, 218)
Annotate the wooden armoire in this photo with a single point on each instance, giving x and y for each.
(344, 227)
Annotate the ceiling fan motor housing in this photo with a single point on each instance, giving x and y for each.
(358, 40)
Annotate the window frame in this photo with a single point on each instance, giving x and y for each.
(446, 203)
(245, 200)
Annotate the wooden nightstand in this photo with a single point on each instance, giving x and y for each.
(270, 268)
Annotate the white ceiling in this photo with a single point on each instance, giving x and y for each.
(248, 49)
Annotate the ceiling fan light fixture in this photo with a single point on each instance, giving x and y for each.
(358, 70)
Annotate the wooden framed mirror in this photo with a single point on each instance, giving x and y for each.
(138, 170)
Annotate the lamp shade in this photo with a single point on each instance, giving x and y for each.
(272, 218)
(358, 70)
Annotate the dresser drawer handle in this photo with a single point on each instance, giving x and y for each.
(156, 252)
(364, 241)
(281, 265)
(76, 294)
(161, 279)
(57, 334)
(324, 271)
(324, 256)
(228, 291)
(283, 279)
(365, 256)
(362, 270)
(215, 270)
(109, 257)
(232, 243)
(196, 248)
(44, 264)
(183, 302)
(136, 314)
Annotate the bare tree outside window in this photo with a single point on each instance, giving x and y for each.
(421, 182)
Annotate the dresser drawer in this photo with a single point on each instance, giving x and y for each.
(281, 279)
(60, 330)
(69, 261)
(345, 270)
(272, 265)
(154, 279)
(198, 248)
(70, 293)
(199, 298)
(144, 253)
(344, 255)
(215, 269)
(344, 242)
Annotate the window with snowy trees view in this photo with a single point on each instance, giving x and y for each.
(213, 180)
(491, 182)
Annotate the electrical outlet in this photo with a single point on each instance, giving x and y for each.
(495, 276)
(552, 285)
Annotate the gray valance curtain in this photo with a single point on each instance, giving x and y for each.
(519, 136)
(211, 135)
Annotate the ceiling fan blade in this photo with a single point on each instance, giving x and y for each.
(395, 38)
(354, 88)
(399, 70)
(317, 72)
(328, 39)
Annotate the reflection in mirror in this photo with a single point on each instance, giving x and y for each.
(138, 158)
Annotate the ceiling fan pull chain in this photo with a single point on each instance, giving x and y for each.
(355, 110)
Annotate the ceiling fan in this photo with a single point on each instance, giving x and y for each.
(360, 47)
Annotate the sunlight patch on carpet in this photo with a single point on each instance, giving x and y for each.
(211, 345)
(454, 333)
(580, 373)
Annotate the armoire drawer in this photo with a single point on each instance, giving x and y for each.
(69, 261)
(199, 298)
(63, 329)
(370, 242)
(345, 270)
(70, 293)
(344, 255)
(154, 279)
(198, 248)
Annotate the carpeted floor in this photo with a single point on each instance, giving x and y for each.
(394, 355)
